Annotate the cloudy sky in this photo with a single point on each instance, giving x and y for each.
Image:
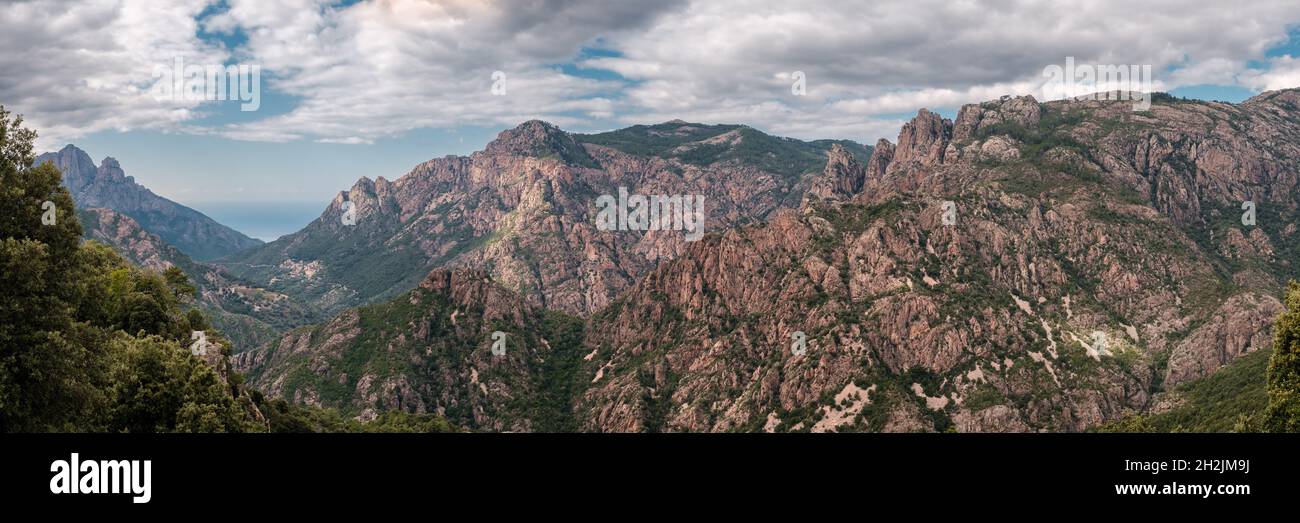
(370, 88)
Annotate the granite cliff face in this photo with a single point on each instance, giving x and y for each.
(107, 186)
(1092, 257)
(1027, 266)
(523, 209)
(129, 239)
(842, 178)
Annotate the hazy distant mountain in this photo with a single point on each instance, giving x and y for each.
(1028, 266)
(108, 187)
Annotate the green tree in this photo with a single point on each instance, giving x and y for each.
(88, 342)
(180, 284)
(143, 314)
(157, 386)
(196, 320)
(46, 373)
(1283, 412)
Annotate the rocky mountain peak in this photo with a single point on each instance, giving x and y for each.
(922, 141)
(366, 189)
(77, 166)
(368, 197)
(843, 176)
(111, 170)
(540, 139)
(107, 186)
(1022, 110)
(881, 156)
(524, 138)
(363, 184)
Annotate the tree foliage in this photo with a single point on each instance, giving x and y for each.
(47, 379)
(282, 417)
(1283, 412)
(89, 342)
(156, 386)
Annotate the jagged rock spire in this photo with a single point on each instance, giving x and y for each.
(843, 176)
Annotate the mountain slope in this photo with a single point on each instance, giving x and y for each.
(1093, 260)
(429, 351)
(1029, 266)
(107, 186)
(523, 209)
(248, 315)
(1226, 401)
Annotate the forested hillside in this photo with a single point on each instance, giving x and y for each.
(89, 342)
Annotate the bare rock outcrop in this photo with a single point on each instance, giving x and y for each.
(1241, 325)
(842, 178)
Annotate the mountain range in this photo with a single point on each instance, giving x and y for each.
(1027, 266)
(108, 186)
(523, 209)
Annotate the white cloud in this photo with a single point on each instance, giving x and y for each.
(376, 69)
(75, 67)
(865, 60)
(350, 140)
(1283, 73)
(382, 68)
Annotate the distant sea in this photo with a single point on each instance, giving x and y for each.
(265, 221)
